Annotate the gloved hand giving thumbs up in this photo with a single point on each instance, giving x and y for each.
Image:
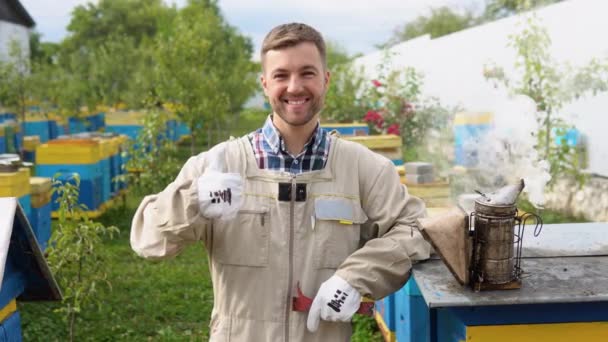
(220, 194)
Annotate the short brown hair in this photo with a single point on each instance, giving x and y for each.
(292, 34)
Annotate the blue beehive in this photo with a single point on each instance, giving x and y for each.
(347, 129)
(25, 274)
(410, 310)
(385, 316)
(41, 128)
(69, 156)
(77, 125)
(2, 139)
(469, 129)
(183, 130)
(40, 217)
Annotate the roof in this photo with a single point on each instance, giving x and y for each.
(24, 272)
(12, 11)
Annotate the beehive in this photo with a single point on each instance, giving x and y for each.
(389, 145)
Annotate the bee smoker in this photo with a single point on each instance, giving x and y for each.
(497, 232)
(483, 249)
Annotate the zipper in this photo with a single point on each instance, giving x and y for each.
(290, 266)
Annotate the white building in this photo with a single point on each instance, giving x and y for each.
(15, 24)
(452, 65)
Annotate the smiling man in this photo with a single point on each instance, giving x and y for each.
(288, 211)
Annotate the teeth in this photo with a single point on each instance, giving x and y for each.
(293, 102)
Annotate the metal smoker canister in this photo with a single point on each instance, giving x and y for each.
(494, 258)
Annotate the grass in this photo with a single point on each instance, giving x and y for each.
(169, 300)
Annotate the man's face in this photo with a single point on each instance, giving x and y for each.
(295, 82)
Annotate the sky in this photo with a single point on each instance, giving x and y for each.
(356, 25)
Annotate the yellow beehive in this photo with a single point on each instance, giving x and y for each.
(387, 145)
(69, 151)
(40, 190)
(15, 184)
(30, 142)
(435, 194)
(107, 148)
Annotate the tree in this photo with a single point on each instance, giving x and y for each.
(204, 66)
(551, 86)
(75, 254)
(441, 21)
(496, 9)
(16, 81)
(92, 24)
(343, 101)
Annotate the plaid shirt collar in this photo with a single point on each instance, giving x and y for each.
(270, 150)
(277, 143)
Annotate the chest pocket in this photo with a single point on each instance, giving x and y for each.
(336, 225)
(244, 241)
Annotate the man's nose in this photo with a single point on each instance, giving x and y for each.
(295, 84)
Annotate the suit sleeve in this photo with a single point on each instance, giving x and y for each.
(384, 263)
(165, 223)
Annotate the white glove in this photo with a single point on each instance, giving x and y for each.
(335, 301)
(220, 194)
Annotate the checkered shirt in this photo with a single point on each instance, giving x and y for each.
(271, 152)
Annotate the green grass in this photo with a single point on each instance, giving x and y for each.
(169, 300)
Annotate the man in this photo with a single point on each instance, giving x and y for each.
(288, 210)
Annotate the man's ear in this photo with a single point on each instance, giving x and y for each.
(327, 79)
(264, 84)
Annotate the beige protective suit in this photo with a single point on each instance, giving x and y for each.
(356, 220)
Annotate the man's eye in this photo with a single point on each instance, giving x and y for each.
(309, 74)
(279, 76)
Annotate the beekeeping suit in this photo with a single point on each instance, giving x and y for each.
(352, 220)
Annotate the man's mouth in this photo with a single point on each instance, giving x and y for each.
(295, 102)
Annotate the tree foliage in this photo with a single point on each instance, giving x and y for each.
(75, 253)
(441, 21)
(552, 86)
(204, 66)
(496, 9)
(346, 85)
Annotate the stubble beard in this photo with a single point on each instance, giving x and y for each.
(316, 105)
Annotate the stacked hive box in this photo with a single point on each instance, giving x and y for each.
(69, 156)
(29, 147)
(15, 183)
(59, 126)
(434, 195)
(419, 173)
(37, 124)
(2, 139)
(126, 123)
(385, 317)
(352, 129)
(40, 219)
(469, 129)
(386, 145)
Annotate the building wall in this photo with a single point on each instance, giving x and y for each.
(453, 65)
(9, 32)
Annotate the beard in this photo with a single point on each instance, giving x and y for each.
(315, 106)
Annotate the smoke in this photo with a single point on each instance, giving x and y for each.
(507, 153)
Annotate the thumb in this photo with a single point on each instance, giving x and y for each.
(314, 315)
(216, 157)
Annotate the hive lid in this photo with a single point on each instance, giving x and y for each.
(40, 185)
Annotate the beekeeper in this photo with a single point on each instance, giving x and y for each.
(288, 211)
